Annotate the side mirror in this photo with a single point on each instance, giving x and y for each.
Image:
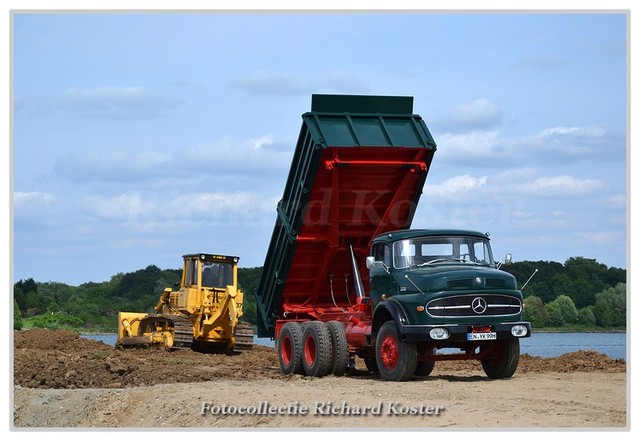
(370, 262)
(508, 259)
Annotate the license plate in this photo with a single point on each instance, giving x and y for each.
(481, 336)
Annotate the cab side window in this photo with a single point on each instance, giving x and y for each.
(382, 253)
(191, 276)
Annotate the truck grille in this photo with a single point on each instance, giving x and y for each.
(473, 305)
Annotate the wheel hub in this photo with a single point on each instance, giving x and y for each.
(389, 352)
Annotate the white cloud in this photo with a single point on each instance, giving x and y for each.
(270, 83)
(481, 113)
(34, 209)
(618, 200)
(224, 158)
(124, 207)
(151, 212)
(456, 186)
(600, 238)
(115, 165)
(552, 145)
(561, 186)
(32, 199)
(577, 142)
(468, 146)
(233, 156)
(115, 103)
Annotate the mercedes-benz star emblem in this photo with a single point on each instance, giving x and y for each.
(479, 305)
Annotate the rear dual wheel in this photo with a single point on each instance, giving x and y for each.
(314, 348)
(290, 348)
(340, 348)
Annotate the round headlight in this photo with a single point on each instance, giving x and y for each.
(439, 334)
(519, 330)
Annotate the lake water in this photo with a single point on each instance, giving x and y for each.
(542, 344)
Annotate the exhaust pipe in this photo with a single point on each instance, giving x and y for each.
(356, 274)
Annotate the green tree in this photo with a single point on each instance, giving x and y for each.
(56, 320)
(25, 292)
(54, 294)
(588, 276)
(17, 317)
(535, 312)
(566, 308)
(586, 316)
(33, 303)
(562, 284)
(610, 308)
(555, 315)
(132, 286)
(249, 280)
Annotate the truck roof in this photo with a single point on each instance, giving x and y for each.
(408, 234)
(358, 171)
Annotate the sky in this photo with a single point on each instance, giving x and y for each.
(139, 137)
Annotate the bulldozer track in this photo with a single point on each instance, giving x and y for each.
(243, 337)
(182, 331)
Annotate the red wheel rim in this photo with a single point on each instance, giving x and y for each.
(310, 351)
(286, 351)
(389, 352)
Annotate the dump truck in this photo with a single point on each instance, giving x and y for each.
(346, 277)
(203, 314)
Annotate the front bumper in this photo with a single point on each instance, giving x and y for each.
(458, 333)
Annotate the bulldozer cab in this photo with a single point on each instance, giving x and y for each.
(209, 271)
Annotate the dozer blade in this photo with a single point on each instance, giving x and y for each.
(134, 342)
(156, 330)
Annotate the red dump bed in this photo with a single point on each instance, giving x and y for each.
(358, 171)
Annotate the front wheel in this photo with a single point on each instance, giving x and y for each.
(397, 359)
(425, 368)
(503, 359)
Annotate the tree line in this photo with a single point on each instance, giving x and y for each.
(580, 293)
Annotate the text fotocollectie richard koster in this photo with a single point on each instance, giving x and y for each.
(320, 408)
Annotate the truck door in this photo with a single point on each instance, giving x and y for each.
(380, 280)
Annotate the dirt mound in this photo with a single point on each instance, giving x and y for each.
(60, 339)
(63, 360)
(580, 361)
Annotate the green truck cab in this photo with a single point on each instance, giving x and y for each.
(443, 289)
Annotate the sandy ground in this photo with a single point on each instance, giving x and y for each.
(62, 381)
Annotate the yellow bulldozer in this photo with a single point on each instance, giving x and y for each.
(202, 315)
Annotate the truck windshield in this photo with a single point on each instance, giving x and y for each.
(424, 251)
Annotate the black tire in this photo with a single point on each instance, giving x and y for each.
(316, 349)
(425, 368)
(397, 359)
(340, 352)
(503, 361)
(290, 348)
